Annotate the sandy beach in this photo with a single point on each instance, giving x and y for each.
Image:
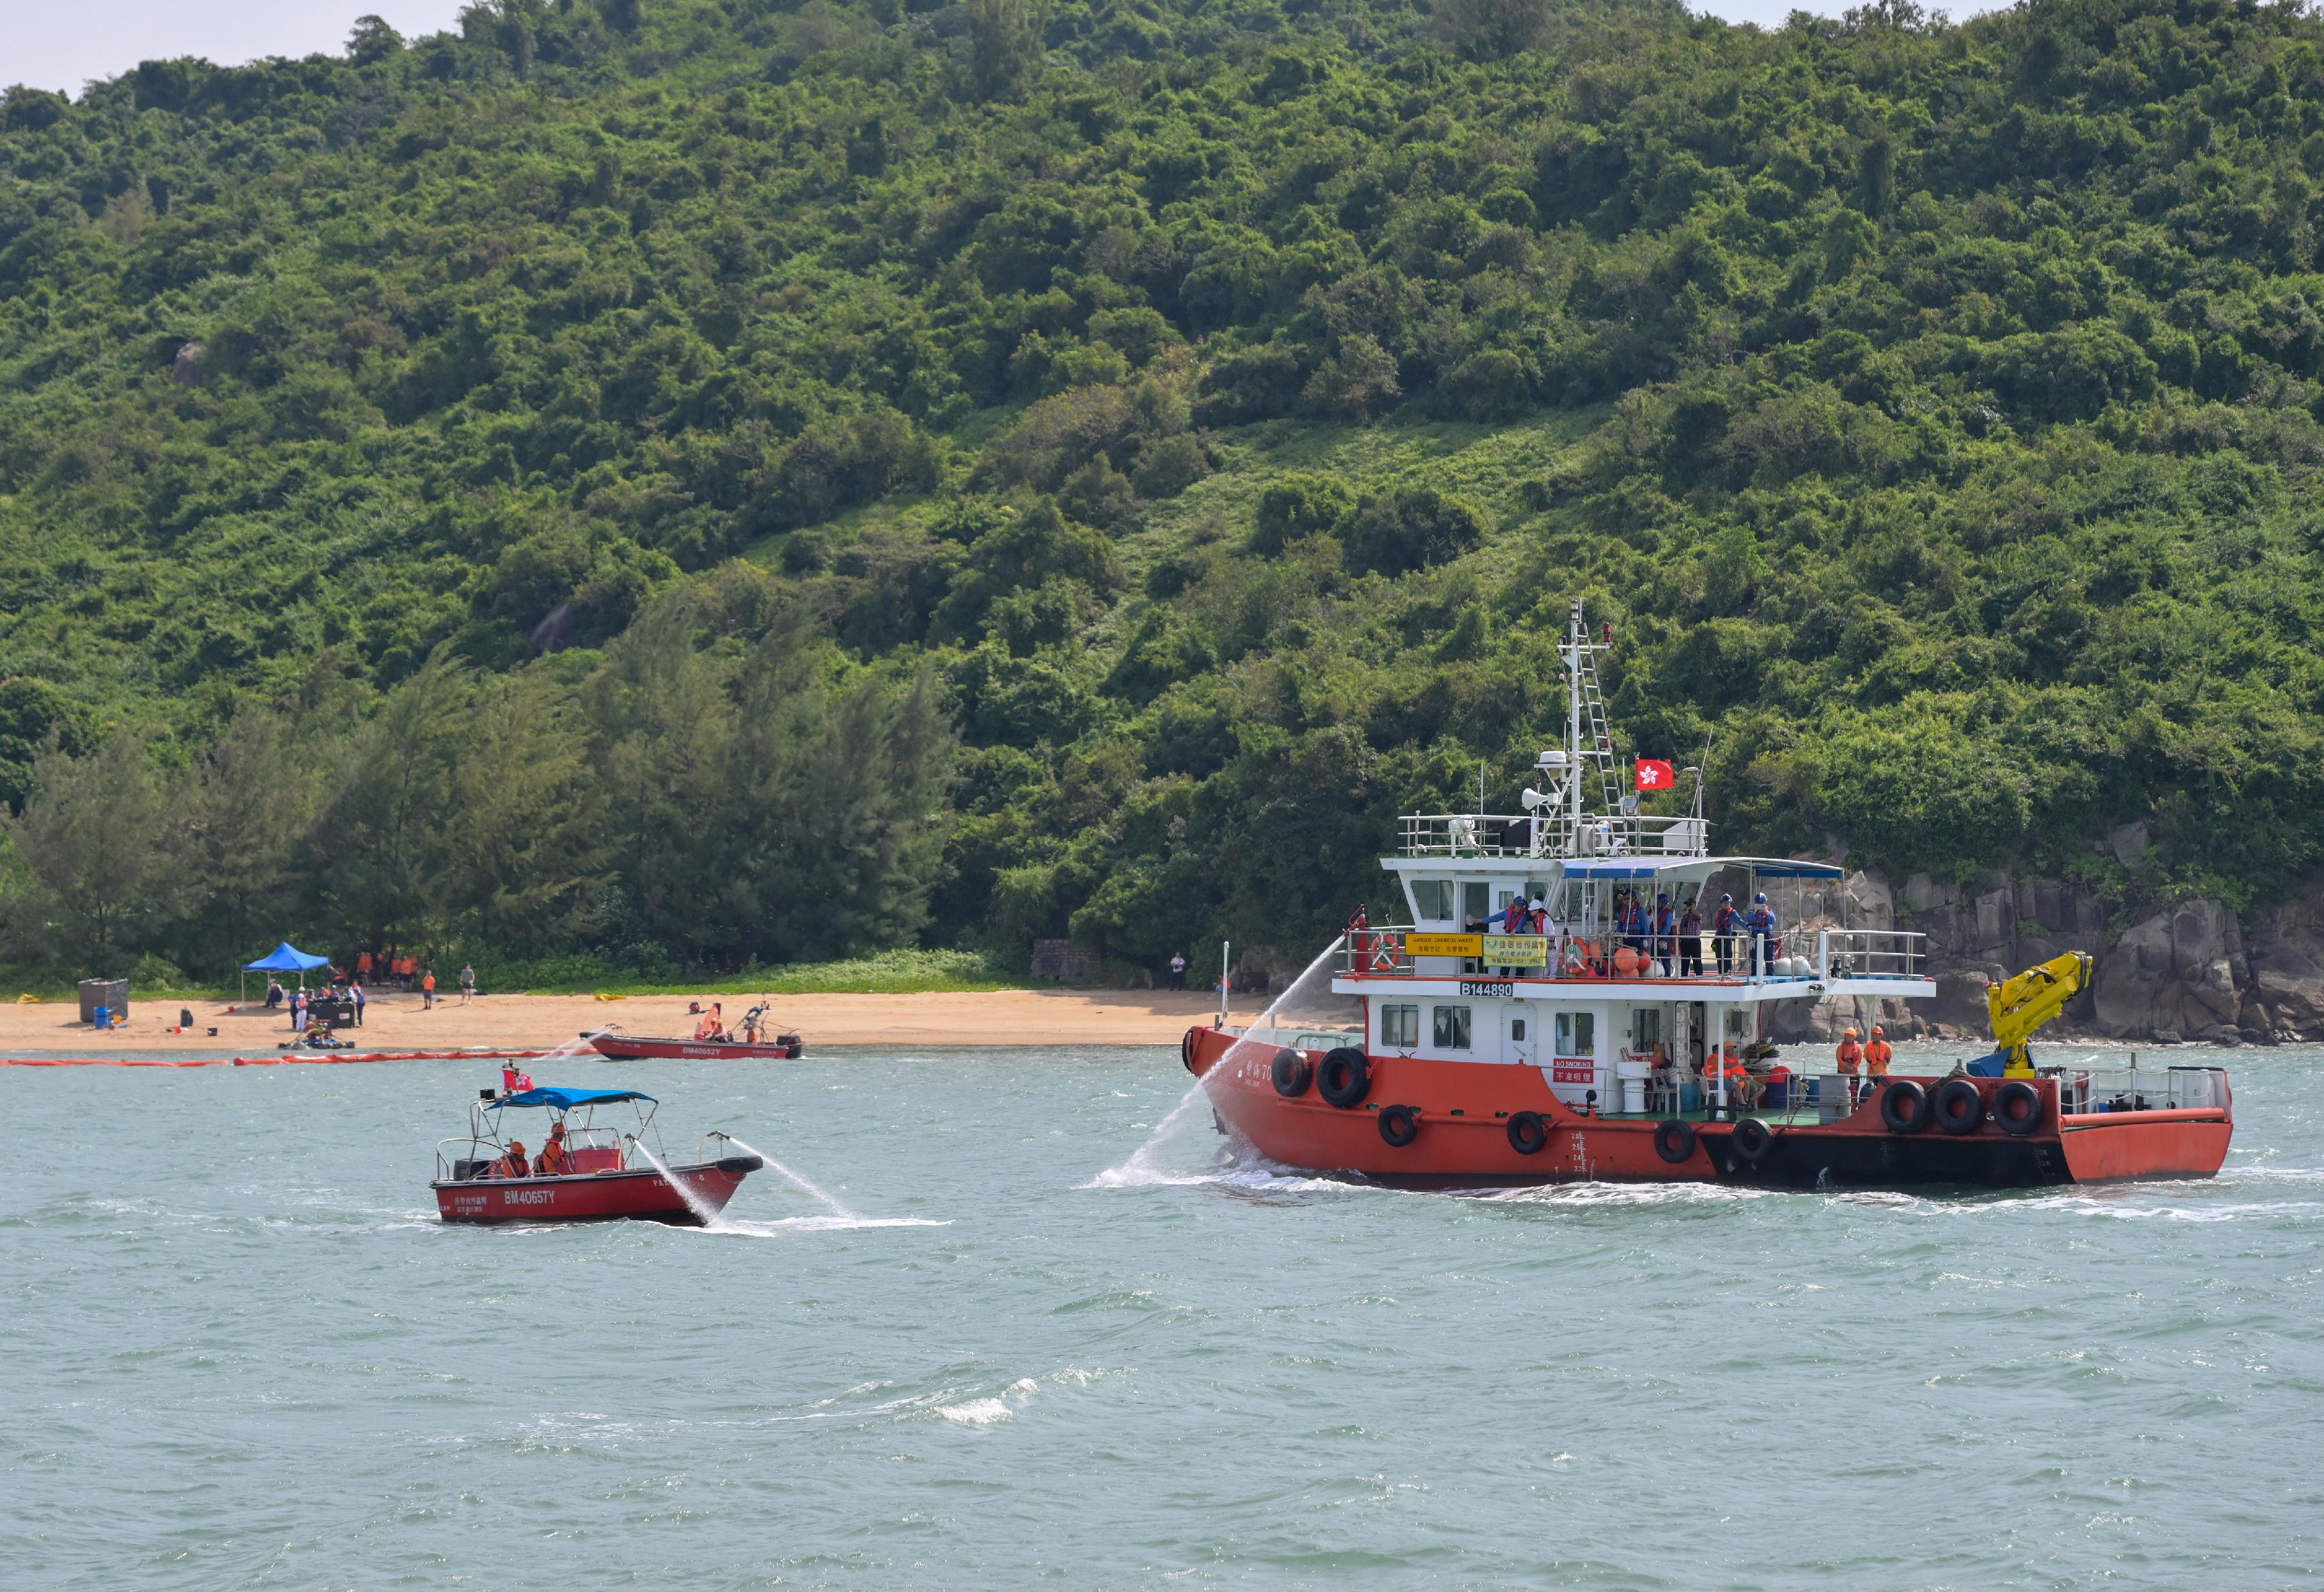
(528, 1021)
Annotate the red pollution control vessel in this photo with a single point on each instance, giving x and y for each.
(1538, 1018)
(600, 1182)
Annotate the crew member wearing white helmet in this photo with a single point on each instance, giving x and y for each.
(1761, 926)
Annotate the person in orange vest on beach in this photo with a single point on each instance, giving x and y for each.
(427, 991)
(1878, 1054)
(1849, 1058)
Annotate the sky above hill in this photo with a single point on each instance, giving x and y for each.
(62, 46)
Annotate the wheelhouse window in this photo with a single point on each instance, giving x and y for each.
(1577, 1033)
(1476, 901)
(1399, 1027)
(1432, 899)
(1646, 1028)
(1452, 1027)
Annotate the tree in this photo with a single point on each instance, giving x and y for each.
(244, 815)
(91, 839)
(371, 41)
(1004, 47)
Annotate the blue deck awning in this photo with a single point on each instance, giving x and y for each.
(564, 1099)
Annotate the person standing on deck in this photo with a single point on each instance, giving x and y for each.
(1723, 924)
(1633, 921)
(1847, 1058)
(1690, 940)
(1761, 926)
(1665, 948)
(1877, 1054)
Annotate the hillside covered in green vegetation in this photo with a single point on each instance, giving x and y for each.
(699, 482)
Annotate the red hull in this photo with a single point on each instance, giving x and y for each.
(1464, 1138)
(607, 1196)
(623, 1047)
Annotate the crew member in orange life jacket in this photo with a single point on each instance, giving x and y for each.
(512, 1162)
(1850, 1057)
(1877, 1054)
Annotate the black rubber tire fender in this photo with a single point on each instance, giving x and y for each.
(1400, 1125)
(1189, 1045)
(1958, 1106)
(1904, 1107)
(2018, 1107)
(1345, 1077)
(1751, 1141)
(1293, 1073)
(1674, 1140)
(1528, 1133)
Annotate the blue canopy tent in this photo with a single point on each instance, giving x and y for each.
(285, 958)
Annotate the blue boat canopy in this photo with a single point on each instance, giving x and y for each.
(564, 1099)
(285, 958)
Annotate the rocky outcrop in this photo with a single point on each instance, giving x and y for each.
(2185, 970)
(2285, 949)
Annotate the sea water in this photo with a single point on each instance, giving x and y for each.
(242, 1352)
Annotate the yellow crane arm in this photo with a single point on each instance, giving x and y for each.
(2021, 1005)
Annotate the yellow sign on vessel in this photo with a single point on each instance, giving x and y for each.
(1516, 950)
(1444, 945)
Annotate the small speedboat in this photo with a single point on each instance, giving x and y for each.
(628, 1047)
(610, 1175)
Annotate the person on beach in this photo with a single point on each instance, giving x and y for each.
(467, 983)
(356, 994)
(1178, 970)
(273, 993)
(299, 1012)
(427, 991)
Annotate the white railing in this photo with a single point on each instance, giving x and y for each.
(1870, 953)
(1837, 953)
(1547, 834)
(2085, 1090)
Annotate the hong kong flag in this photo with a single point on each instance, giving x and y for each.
(1654, 774)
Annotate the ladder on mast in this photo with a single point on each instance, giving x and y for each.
(1593, 712)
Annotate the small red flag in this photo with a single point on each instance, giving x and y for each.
(1654, 774)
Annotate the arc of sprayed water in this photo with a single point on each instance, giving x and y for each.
(830, 1201)
(1140, 1166)
(694, 1202)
